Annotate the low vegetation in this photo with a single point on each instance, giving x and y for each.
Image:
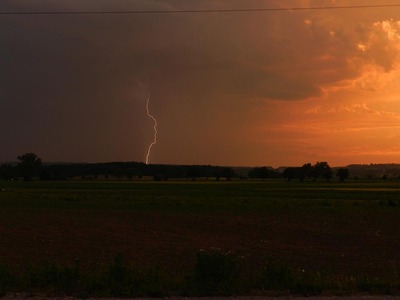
(131, 239)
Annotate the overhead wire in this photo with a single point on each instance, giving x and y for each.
(239, 10)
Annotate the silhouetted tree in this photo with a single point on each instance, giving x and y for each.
(290, 173)
(7, 171)
(29, 165)
(263, 173)
(342, 174)
(217, 173)
(228, 173)
(193, 172)
(322, 169)
(306, 171)
(319, 170)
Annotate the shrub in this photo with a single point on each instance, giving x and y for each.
(216, 272)
(55, 279)
(277, 277)
(121, 280)
(5, 279)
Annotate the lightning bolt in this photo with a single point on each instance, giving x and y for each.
(155, 130)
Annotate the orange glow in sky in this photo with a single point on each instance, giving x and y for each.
(356, 116)
(246, 88)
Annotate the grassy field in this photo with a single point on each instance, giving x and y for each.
(272, 235)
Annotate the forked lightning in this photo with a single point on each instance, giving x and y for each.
(155, 130)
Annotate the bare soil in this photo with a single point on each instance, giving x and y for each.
(363, 245)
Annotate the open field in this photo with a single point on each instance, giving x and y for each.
(343, 231)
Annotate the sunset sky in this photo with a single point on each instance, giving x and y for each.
(266, 88)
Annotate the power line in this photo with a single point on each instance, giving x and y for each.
(239, 10)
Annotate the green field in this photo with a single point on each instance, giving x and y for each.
(287, 236)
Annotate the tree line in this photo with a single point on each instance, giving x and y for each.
(313, 172)
(30, 166)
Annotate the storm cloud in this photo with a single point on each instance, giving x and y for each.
(74, 87)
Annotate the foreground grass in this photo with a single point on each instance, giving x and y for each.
(144, 238)
(216, 273)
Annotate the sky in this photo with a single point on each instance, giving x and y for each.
(267, 88)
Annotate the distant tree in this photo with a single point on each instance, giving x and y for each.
(228, 173)
(263, 173)
(290, 173)
(319, 170)
(218, 172)
(254, 173)
(343, 174)
(160, 177)
(29, 165)
(7, 171)
(46, 174)
(322, 169)
(193, 172)
(306, 171)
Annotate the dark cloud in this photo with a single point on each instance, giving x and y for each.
(68, 80)
(74, 87)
